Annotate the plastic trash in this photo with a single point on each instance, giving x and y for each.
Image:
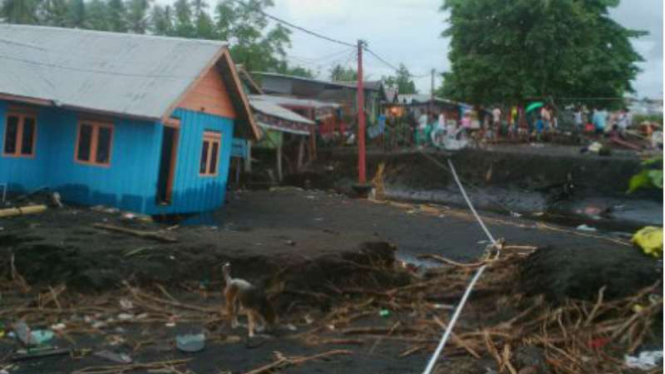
(384, 313)
(125, 316)
(22, 331)
(190, 342)
(42, 336)
(126, 304)
(41, 352)
(58, 327)
(650, 240)
(647, 360)
(586, 228)
(118, 358)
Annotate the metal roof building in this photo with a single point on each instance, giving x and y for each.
(144, 123)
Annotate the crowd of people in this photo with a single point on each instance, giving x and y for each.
(425, 127)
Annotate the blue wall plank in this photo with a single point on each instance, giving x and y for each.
(192, 192)
(130, 182)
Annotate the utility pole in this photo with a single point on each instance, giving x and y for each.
(431, 99)
(362, 177)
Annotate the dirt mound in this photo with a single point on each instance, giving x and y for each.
(64, 247)
(578, 273)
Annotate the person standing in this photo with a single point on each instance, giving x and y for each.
(496, 122)
(514, 122)
(622, 122)
(600, 121)
(546, 117)
(579, 119)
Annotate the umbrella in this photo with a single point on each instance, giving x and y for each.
(534, 106)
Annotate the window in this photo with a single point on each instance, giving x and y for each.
(20, 134)
(93, 144)
(210, 153)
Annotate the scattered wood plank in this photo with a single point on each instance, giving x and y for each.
(119, 369)
(283, 361)
(21, 211)
(153, 235)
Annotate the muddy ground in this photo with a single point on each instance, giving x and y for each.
(557, 181)
(320, 244)
(453, 232)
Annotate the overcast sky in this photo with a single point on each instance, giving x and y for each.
(408, 31)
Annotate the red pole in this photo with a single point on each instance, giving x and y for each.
(362, 179)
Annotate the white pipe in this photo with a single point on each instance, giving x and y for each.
(469, 288)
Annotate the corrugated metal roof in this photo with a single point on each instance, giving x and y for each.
(293, 101)
(410, 99)
(282, 129)
(275, 110)
(135, 75)
(369, 85)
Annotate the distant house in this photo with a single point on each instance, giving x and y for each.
(143, 123)
(343, 93)
(289, 125)
(420, 103)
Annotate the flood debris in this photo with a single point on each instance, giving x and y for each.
(24, 210)
(574, 336)
(118, 358)
(282, 361)
(646, 360)
(157, 365)
(39, 353)
(190, 343)
(154, 235)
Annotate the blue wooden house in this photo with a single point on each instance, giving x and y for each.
(142, 123)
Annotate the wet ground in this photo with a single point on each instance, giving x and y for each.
(253, 227)
(543, 181)
(453, 232)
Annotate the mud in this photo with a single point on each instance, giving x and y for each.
(61, 246)
(313, 241)
(564, 272)
(519, 178)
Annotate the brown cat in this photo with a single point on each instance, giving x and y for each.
(252, 301)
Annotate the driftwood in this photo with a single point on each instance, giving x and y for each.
(283, 361)
(119, 369)
(20, 211)
(571, 336)
(153, 235)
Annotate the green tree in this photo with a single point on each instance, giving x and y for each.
(53, 13)
(254, 44)
(117, 16)
(183, 19)
(296, 71)
(75, 13)
(19, 11)
(97, 15)
(203, 23)
(508, 51)
(341, 74)
(137, 15)
(161, 20)
(401, 81)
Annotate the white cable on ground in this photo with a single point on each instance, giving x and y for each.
(468, 202)
(469, 288)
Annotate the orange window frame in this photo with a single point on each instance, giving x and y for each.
(94, 142)
(211, 138)
(18, 152)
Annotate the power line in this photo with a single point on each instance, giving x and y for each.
(385, 62)
(299, 28)
(325, 57)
